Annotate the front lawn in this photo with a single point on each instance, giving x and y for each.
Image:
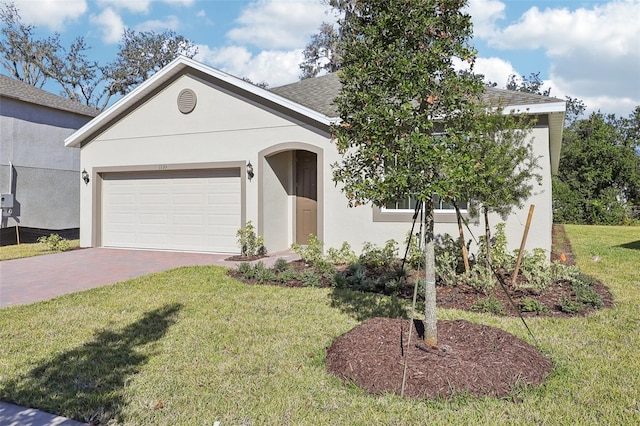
(194, 346)
(28, 250)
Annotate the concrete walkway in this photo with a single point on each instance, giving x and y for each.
(34, 279)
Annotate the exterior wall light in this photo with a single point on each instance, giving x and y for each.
(250, 173)
(85, 177)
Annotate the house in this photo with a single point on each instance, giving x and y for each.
(192, 154)
(39, 177)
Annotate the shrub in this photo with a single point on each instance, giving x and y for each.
(342, 256)
(310, 278)
(570, 306)
(490, 305)
(500, 257)
(529, 304)
(262, 274)
(376, 257)
(446, 268)
(287, 275)
(311, 253)
(582, 287)
(55, 242)
(246, 270)
(280, 265)
(535, 268)
(480, 278)
(249, 243)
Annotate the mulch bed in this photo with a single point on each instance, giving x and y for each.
(470, 358)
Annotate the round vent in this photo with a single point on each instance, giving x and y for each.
(187, 101)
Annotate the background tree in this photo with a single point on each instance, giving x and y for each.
(321, 54)
(35, 61)
(397, 75)
(599, 175)
(23, 56)
(140, 55)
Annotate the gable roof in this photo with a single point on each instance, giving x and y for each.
(16, 89)
(318, 93)
(181, 66)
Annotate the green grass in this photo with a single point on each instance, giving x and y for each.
(210, 348)
(28, 250)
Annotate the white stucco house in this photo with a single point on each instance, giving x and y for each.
(192, 154)
(39, 176)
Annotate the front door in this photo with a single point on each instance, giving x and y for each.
(306, 196)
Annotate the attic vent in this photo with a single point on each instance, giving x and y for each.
(187, 101)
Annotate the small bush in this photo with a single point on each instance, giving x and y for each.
(585, 294)
(262, 274)
(343, 256)
(246, 270)
(376, 257)
(287, 275)
(310, 278)
(529, 304)
(480, 278)
(500, 257)
(249, 243)
(55, 242)
(570, 306)
(280, 265)
(446, 268)
(490, 305)
(311, 253)
(535, 268)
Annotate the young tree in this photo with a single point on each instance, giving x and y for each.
(404, 108)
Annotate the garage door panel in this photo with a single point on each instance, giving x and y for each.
(191, 210)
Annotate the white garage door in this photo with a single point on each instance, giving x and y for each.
(186, 210)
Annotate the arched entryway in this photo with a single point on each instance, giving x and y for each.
(290, 199)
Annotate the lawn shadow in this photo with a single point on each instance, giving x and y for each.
(86, 383)
(364, 306)
(635, 245)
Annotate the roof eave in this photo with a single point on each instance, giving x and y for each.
(175, 67)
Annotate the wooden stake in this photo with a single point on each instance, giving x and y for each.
(17, 235)
(465, 256)
(522, 244)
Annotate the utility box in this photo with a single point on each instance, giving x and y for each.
(6, 201)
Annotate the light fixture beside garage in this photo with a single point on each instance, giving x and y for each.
(250, 171)
(85, 176)
(187, 101)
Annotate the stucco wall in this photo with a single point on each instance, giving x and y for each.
(46, 176)
(226, 128)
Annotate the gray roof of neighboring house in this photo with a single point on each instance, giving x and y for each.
(318, 94)
(16, 89)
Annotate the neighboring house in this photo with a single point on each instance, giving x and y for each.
(37, 171)
(192, 154)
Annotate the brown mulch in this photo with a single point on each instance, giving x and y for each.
(470, 358)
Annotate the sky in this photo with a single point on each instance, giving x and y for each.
(586, 49)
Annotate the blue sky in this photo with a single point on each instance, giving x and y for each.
(589, 49)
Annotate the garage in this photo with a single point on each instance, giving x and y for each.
(193, 210)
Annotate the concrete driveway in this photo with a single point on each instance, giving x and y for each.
(38, 278)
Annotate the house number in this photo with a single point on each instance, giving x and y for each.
(163, 167)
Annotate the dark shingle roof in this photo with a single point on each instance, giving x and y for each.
(318, 94)
(16, 89)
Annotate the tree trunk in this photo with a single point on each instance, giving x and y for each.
(430, 318)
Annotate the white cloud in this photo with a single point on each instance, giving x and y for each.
(495, 70)
(593, 52)
(110, 25)
(48, 13)
(484, 15)
(271, 66)
(137, 6)
(169, 23)
(279, 24)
